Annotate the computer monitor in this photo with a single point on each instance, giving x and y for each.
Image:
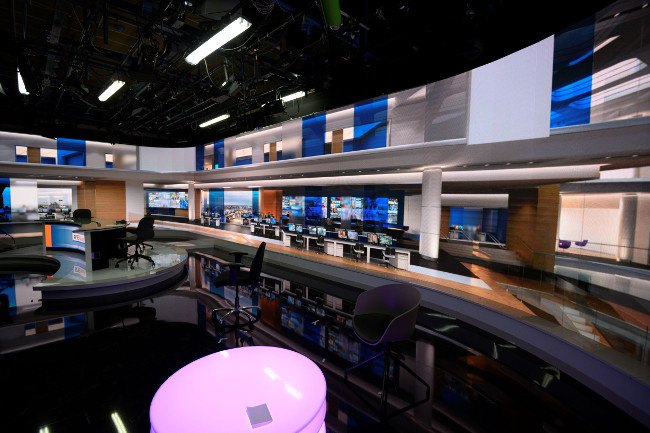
(385, 240)
(343, 234)
(292, 227)
(312, 230)
(298, 228)
(321, 231)
(372, 238)
(352, 235)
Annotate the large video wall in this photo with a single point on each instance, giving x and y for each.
(310, 207)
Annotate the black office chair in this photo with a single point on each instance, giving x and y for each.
(359, 251)
(83, 216)
(143, 232)
(388, 253)
(134, 231)
(300, 240)
(236, 276)
(383, 316)
(320, 243)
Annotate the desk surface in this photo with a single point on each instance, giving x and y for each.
(212, 393)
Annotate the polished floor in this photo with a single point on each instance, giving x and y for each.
(73, 371)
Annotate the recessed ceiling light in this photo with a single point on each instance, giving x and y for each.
(634, 156)
(508, 163)
(359, 171)
(608, 157)
(486, 165)
(464, 165)
(377, 169)
(228, 33)
(531, 162)
(343, 172)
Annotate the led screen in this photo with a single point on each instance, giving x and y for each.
(167, 199)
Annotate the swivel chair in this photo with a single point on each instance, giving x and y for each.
(383, 316)
(359, 251)
(236, 276)
(300, 241)
(388, 253)
(134, 231)
(83, 216)
(320, 243)
(143, 232)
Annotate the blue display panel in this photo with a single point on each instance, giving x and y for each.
(63, 236)
(294, 206)
(219, 160)
(313, 135)
(200, 152)
(375, 209)
(256, 201)
(71, 152)
(5, 199)
(216, 200)
(370, 123)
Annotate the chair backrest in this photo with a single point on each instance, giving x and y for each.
(82, 215)
(256, 264)
(359, 247)
(299, 237)
(145, 231)
(401, 301)
(320, 240)
(389, 251)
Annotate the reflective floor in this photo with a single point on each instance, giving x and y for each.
(96, 370)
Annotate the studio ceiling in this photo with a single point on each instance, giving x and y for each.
(69, 50)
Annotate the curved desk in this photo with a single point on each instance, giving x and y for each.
(222, 392)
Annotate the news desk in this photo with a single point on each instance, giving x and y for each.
(98, 243)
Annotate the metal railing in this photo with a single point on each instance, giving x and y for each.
(618, 253)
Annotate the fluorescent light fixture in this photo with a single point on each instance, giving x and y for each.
(44, 430)
(110, 91)
(293, 96)
(224, 36)
(215, 120)
(21, 84)
(119, 425)
(254, 186)
(224, 83)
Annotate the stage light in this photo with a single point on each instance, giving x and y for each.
(110, 91)
(224, 36)
(21, 84)
(293, 96)
(215, 120)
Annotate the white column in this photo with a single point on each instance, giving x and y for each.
(627, 227)
(430, 213)
(134, 200)
(191, 210)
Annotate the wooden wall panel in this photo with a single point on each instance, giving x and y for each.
(34, 155)
(337, 141)
(548, 213)
(273, 152)
(444, 222)
(181, 213)
(522, 223)
(271, 202)
(105, 199)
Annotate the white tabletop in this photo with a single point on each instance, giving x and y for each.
(212, 393)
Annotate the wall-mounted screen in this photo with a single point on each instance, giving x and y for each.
(381, 209)
(393, 209)
(335, 207)
(293, 205)
(167, 199)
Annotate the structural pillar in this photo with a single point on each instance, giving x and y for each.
(191, 203)
(627, 227)
(430, 213)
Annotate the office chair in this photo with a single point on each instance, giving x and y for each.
(133, 231)
(320, 243)
(236, 276)
(359, 251)
(300, 240)
(143, 232)
(83, 216)
(383, 316)
(388, 253)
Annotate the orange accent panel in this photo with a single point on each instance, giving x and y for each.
(48, 235)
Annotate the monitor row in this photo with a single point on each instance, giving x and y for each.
(352, 235)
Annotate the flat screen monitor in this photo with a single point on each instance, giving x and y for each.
(292, 227)
(385, 240)
(343, 234)
(312, 230)
(352, 235)
(298, 228)
(167, 199)
(321, 231)
(372, 238)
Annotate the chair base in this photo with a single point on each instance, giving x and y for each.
(220, 316)
(134, 258)
(383, 411)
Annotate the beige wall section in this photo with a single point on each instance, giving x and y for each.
(546, 223)
(520, 234)
(134, 201)
(105, 199)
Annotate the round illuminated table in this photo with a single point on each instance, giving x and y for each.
(226, 392)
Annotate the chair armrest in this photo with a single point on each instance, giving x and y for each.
(238, 255)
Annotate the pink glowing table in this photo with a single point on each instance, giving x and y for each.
(212, 394)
